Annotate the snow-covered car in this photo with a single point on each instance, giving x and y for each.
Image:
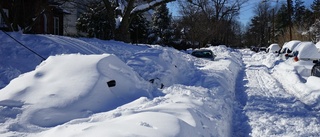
(306, 51)
(204, 53)
(255, 49)
(261, 49)
(287, 48)
(273, 48)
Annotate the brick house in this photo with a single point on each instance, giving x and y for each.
(44, 16)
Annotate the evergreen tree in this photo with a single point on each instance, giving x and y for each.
(95, 23)
(308, 18)
(161, 21)
(299, 12)
(315, 6)
(282, 20)
(254, 35)
(315, 30)
(139, 29)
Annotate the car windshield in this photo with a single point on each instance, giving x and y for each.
(203, 54)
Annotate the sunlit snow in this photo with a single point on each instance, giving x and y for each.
(240, 93)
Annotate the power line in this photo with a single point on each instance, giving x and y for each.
(24, 46)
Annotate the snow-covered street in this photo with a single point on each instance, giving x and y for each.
(265, 108)
(240, 94)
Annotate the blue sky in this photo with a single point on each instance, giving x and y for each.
(246, 12)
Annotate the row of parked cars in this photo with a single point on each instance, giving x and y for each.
(299, 50)
(295, 49)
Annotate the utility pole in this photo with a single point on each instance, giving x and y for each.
(273, 26)
(290, 21)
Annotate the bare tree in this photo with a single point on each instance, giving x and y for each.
(213, 17)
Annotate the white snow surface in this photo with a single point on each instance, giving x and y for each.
(241, 93)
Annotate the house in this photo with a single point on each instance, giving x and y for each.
(70, 20)
(33, 16)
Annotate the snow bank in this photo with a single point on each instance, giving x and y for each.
(295, 77)
(66, 87)
(67, 94)
(202, 108)
(268, 60)
(297, 80)
(167, 65)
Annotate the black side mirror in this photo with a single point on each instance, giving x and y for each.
(315, 61)
(111, 83)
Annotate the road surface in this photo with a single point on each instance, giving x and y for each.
(263, 108)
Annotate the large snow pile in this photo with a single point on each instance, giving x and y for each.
(296, 78)
(66, 87)
(68, 95)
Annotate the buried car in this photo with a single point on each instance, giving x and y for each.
(288, 47)
(204, 53)
(273, 48)
(306, 51)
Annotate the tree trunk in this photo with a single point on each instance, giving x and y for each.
(122, 33)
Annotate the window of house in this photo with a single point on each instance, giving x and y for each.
(2, 22)
(56, 25)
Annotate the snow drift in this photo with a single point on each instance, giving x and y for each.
(67, 94)
(66, 87)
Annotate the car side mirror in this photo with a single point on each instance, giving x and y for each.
(111, 83)
(315, 61)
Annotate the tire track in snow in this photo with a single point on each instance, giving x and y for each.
(85, 48)
(264, 108)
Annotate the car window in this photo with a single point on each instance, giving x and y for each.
(283, 50)
(295, 53)
(202, 54)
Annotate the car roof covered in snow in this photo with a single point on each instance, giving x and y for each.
(291, 44)
(307, 50)
(274, 47)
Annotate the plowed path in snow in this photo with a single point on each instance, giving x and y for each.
(263, 107)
